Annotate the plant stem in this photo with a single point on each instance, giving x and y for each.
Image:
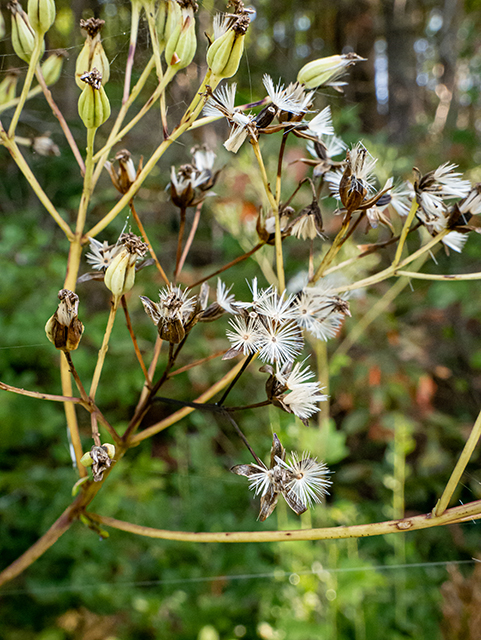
(104, 347)
(41, 396)
(178, 415)
(147, 242)
(275, 211)
(415, 523)
(71, 417)
(134, 341)
(405, 231)
(246, 363)
(190, 239)
(179, 243)
(134, 28)
(193, 364)
(464, 458)
(75, 376)
(334, 249)
(36, 54)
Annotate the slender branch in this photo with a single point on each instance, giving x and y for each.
(415, 523)
(244, 256)
(134, 28)
(196, 363)
(275, 211)
(104, 347)
(246, 363)
(464, 458)
(134, 341)
(13, 103)
(179, 243)
(75, 376)
(39, 395)
(334, 249)
(435, 276)
(178, 415)
(405, 231)
(58, 114)
(147, 242)
(71, 417)
(190, 239)
(36, 54)
(147, 386)
(95, 430)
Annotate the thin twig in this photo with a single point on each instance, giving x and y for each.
(244, 256)
(39, 395)
(134, 340)
(190, 239)
(197, 363)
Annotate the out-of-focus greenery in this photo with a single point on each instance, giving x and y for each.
(406, 392)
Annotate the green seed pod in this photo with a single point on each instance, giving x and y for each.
(182, 43)
(86, 459)
(225, 53)
(52, 67)
(325, 70)
(23, 36)
(169, 16)
(41, 14)
(93, 104)
(120, 275)
(92, 56)
(8, 86)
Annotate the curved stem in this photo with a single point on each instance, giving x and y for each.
(190, 239)
(464, 458)
(134, 28)
(36, 54)
(104, 348)
(147, 242)
(275, 211)
(134, 340)
(415, 523)
(40, 395)
(405, 231)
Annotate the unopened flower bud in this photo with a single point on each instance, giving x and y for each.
(52, 67)
(127, 173)
(41, 14)
(169, 15)
(120, 274)
(225, 53)
(326, 70)
(8, 86)
(93, 104)
(92, 56)
(64, 329)
(23, 36)
(182, 43)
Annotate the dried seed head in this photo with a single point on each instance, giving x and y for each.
(92, 56)
(126, 174)
(100, 458)
(64, 329)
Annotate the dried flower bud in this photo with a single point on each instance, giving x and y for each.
(93, 104)
(325, 71)
(225, 53)
(182, 43)
(52, 67)
(64, 329)
(41, 14)
(23, 36)
(174, 315)
(120, 275)
(92, 55)
(100, 458)
(8, 86)
(127, 173)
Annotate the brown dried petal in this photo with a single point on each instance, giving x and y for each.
(268, 504)
(295, 504)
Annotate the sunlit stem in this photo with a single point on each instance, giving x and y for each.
(464, 458)
(134, 28)
(36, 53)
(190, 239)
(104, 347)
(275, 210)
(147, 242)
(404, 233)
(87, 188)
(334, 250)
(158, 63)
(71, 416)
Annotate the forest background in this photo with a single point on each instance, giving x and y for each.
(404, 392)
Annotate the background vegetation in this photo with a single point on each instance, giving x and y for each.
(403, 395)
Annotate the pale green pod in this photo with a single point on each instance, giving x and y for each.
(8, 87)
(120, 275)
(86, 459)
(41, 14)
(93, 106)
(182, 44)
(225, 53)
(52, 68)
(23, 36)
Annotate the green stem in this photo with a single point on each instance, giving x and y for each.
(404, 233)
(464, 458)
(415, 523)
(134, 28)
(333, 251)
(103, 349)
(275, 210)
(36, 54)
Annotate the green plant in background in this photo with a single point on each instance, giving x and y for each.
(272, 326)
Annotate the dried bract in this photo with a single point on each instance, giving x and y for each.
(64, 329)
